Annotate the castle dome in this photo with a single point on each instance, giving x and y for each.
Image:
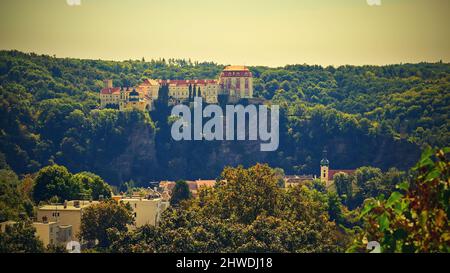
(324, 161)
(133, 96)
(134, 93)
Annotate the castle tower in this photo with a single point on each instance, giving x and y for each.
(122, 99)
(324, 167)
(107, 83)
(237, 82)
(133, 96)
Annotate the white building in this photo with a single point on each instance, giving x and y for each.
(146, 211)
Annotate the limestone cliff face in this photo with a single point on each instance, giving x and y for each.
(206, 160)
(137, 161)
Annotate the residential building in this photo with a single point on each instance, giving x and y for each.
(50, 233)
(166, 187)
(294, 180)
(53, 233)
(146, 210)
(68, 213)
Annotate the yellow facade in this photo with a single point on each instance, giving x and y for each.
(209, 91)
(68, 214)
(145, 211)
(324, 175)
(52, 233)
(235, 81)
(107, 99)
(141, 105)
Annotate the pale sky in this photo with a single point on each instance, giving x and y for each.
(241, 32)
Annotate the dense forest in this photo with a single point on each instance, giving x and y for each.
(378, 116)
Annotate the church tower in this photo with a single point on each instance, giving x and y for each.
(324, 166)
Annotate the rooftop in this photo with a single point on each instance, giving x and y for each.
(139, 199)
(236, 68)
(149, 82)
(44, 223)
(71, 206)
(187, 82)
(110, 90)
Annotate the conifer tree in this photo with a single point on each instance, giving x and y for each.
(190, 92)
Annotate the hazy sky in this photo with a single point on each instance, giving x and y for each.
(248, 32)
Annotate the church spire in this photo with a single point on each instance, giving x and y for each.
(324, 164)
(324, 161)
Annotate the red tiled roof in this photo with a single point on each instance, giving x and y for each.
(206, 183)
(149, 82)
(187, 82)
(108, 91)
(332, 173)
(193, 185)
(167, 185)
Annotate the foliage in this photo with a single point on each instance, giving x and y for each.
(57, 181)
(180, 192)
(343, 183)
(51, 115)
(100, 220)
(414, 219)
(94, 185)
(245, 212)
(14, 205)
(20, 238)
(366, 182)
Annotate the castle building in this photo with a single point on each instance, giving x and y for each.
(326, 174)
(181, 90)
(236, 82)
(125, 98)
(149, 88)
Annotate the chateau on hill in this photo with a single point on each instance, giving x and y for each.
(235, 82)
